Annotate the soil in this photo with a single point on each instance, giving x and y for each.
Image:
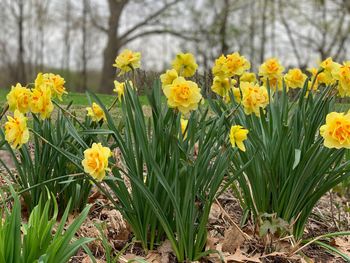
(237, 243)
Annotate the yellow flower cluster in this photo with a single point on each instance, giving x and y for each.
(95, 161)
(54, 82)
(336, 131)
(253, 97)
(183, 95)
(331, 73)
(127, 60)
(271, 72)
(41, 102)
(224, 69)
(16, 131)
(39, 99)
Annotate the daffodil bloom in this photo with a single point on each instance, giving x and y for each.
(329, 65)
(95, 161)
(19, 98)
(336, 131)
(236, 64)
(253, 98)
(295, 78)
(54, 82)
(237, 95)
(16, 131)
(127, 60)
(41, 101)
(183, 95)
(271, 73)
(119, 88)
(219, 69)
(237, 136)
(184, 124)
(342, 74)
(324, 77)
(248, 77)
(185, 64)
(96, 112)
(168, 77)
(221, 86)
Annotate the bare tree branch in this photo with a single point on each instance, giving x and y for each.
(94, 21)
(149, 19)
(159, 31)
(290, 34)
(337, 33)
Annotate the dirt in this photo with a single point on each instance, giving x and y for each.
(237, 244)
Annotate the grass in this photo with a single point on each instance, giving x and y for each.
(78, 99)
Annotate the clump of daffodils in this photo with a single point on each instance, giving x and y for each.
(126, 61)
(225, 70)
(54, 82)
(182, 94)
(95, 161)
(41, 102)
(38, 100)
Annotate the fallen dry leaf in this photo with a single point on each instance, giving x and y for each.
(233, 240)
(165, 250)
(238, 256)
(215, 213)
(154, 257)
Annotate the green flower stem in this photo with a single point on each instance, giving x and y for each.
(69, 113)
(6, 107)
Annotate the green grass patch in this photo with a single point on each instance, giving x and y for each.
(78, 99)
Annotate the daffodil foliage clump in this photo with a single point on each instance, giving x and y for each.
(294, 145)
(163, 169)
(36, 126)
(172, 162)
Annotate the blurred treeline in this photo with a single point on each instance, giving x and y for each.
(80, 39)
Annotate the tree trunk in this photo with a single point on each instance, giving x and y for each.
(223, 37)
(113, 44)
(83, 82)
(263, 32)
(21, 73)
